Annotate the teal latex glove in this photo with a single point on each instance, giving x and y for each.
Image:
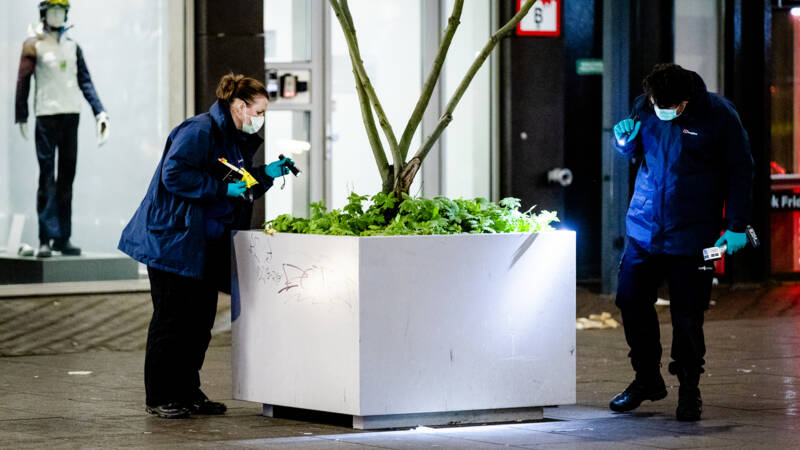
(278, 169)
(735, 241)
(236, 189)
(626, 130)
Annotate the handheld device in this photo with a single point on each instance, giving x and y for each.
(624, 139)
(295, 171)
(236, 174)
(715, 253)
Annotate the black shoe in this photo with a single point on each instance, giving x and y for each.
(44, 251)
(636, 393)
(206, 406)
(690, 405)
(169, 411)
(66, 247)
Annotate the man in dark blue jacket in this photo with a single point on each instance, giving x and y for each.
(695, 163)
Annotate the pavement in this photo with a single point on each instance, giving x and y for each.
(71, 377)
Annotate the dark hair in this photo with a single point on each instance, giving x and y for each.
(668, 85)
(232, 86)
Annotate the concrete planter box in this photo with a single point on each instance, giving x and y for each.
(407, 330)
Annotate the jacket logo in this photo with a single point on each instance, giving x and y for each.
(685, 131)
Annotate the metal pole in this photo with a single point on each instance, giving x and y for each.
(616, 105)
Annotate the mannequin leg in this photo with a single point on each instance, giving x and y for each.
(46, 140)
(67, 161)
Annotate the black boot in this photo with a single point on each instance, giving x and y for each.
(690, 404)
(44, 250)
(642, 388)
(65, 247)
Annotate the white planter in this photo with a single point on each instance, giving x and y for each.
(406, 330)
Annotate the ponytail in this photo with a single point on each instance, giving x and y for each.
(232, 86)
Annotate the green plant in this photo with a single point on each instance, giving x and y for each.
(415, 216)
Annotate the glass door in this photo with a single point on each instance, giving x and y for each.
(294, 61)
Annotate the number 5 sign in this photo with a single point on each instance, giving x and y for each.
(542, 20)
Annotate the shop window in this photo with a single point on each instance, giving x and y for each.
(785, 141)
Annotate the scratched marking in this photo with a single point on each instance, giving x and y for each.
(315, 284)
(260, 251)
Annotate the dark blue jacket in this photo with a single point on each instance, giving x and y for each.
(691, 167)
(169, 229)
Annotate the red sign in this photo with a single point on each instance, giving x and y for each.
(543, 19)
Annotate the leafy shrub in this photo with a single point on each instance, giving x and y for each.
(415, 216)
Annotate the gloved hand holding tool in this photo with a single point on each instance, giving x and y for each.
(236, 189)
(627, 130)
(731, 242)
(281, 167)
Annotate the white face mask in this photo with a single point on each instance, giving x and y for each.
(55, 17)
(256, 122)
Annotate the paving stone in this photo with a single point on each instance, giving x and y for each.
(749, 389)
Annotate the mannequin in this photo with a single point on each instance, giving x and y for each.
(57, 63)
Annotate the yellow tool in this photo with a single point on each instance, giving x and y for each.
(246, 177)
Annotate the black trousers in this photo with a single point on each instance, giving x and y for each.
(184, 310)
(689, 279)
(183, 314)
(59, 133)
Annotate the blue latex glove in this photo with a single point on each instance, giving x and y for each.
(736, 241)
(280, 168)
(236, 189)
(626, 129)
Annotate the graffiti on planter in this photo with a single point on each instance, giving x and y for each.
(260, 251)
(256, 250)
(297, 276)
(315, 284)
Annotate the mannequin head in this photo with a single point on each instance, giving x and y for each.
(53, 13)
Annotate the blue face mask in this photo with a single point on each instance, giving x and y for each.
(666, 114)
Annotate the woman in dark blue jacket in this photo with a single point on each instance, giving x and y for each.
(181, 231)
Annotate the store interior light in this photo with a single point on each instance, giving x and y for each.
(293, 146)
(795, 11)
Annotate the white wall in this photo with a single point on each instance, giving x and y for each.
(697, 45)
(125, 46)
(467, 140)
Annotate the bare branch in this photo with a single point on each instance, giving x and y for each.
(447, 116)
(433, 77)
(372, 131)
(369, 123)
(345, 20)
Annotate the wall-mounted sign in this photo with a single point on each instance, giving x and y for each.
(543, 19)
(785, 200)
(589, 66)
